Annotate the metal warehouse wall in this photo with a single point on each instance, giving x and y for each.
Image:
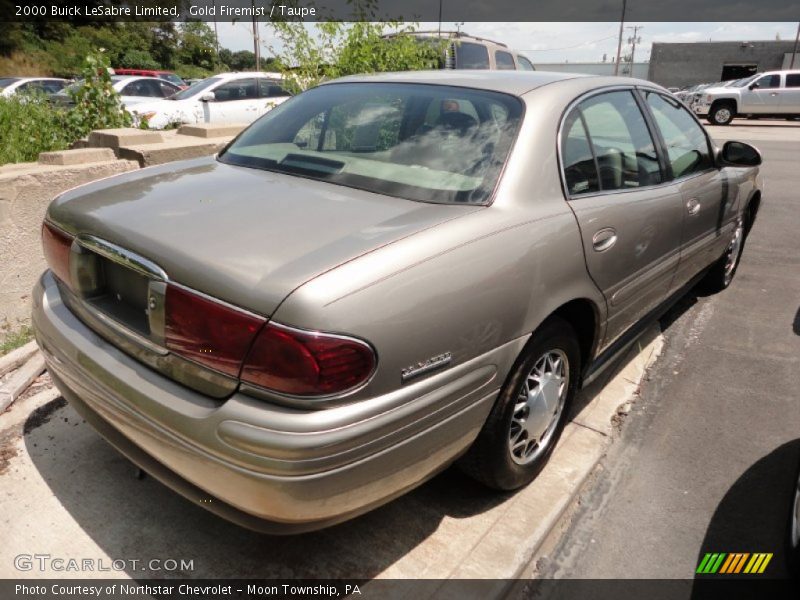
(686, 64)
(606, 68)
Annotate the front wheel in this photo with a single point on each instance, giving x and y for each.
(721, 114)
(721, 274)
(529, 415)
(793, 547)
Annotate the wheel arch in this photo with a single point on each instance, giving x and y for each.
(584, 317)
(751, 210)
(729, 101)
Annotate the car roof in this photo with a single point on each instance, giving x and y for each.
(126, 78)
(26, 79)
(510, 82)
(243, 74)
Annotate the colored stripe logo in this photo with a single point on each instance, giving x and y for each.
(733, 563)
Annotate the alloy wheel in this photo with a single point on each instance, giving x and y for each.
(539, 405)
(723, 115)
(733, 253)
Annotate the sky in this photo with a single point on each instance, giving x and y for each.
(562, 42)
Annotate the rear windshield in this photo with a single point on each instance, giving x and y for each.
(7, 81)
(428, 143)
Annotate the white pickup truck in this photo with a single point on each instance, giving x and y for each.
(773, 94)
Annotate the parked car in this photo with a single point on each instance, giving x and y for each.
(464, 51)
(224, 98)
(380, 276)
(166, 75)
(10, 86)
(132, 90)
(771, 94)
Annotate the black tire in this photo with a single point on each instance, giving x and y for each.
(721, 113)
(722, 273)
(793, 536)
(490, 460)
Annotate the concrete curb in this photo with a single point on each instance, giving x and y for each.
(536, 510)
(504, 546)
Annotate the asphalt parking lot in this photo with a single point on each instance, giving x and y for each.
(707, 459)
(717, 419)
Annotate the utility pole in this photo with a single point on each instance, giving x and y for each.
(256, 38)
(794, 52)
(216, 33)
(619, 44)
(633, 40)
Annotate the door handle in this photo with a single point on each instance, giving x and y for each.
(693, 206)
(604, 239)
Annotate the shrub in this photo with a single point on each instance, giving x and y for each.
(97, 105)
(28, 126)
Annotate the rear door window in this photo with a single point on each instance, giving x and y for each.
(793, 80)
(271, 89)
(504, 61)
(580, 167)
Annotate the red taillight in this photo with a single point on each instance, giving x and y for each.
(56, 245)
(209, 332)
(305, 363)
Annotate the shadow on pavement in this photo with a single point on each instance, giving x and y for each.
(796, 323)
(753, 517)
(130, 518)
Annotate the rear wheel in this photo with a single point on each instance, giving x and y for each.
(721, 114)
(521, 431)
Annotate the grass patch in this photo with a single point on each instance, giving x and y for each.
(16, 339)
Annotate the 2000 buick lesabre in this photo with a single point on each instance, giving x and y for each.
(381, 276)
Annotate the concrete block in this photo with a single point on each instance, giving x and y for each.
(124, 136)
(177, 148)
(76, 157)
(212, 131)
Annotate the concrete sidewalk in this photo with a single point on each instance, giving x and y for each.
(68, 494)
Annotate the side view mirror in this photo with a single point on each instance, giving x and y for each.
(753, 86)
(208, 97)
(739, 154)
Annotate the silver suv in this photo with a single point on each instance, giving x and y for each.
(772, 94)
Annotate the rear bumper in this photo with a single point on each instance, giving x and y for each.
(264, 466)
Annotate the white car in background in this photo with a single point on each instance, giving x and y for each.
(224, 98)
(131, 88)
(21, 85)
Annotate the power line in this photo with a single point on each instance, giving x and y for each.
(570, 47)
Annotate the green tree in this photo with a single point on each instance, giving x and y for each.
(197, 45)
(336, 49)
(137, 59)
